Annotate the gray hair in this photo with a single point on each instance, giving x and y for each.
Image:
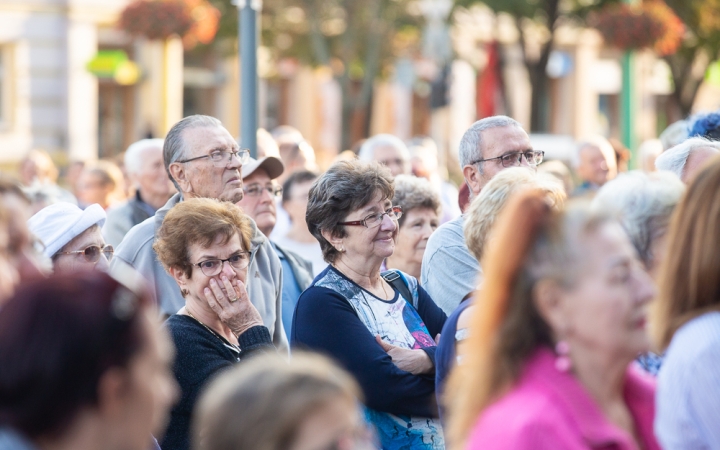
(174, 146)
(133, 155)
(643, 203)
(602, 144)
(471, 142)
(367, 150)
(412, 193)
(674, 160)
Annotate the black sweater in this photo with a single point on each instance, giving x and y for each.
(200, 355)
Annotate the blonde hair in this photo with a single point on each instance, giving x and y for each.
(533, 242)
(481, 215)
(690, 275)
(261, 404)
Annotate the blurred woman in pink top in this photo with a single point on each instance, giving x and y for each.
(558, 322)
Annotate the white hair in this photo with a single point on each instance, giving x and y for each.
(367, 150)
(602, 144)
(133, 154)
(674, 134)
(643, 203)
(471, 142)
(674, 160)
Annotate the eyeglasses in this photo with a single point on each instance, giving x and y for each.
(533, 158)
(373, 220)
(256, 190)
(212, 267)
(92, 253)
(221, 158)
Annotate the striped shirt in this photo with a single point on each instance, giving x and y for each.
(688, 394)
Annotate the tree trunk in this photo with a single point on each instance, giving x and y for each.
(686, 85)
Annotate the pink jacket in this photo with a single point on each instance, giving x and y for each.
(549, 409)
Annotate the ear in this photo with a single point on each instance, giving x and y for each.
(473, 179)
(180, 175)
(547, 297)
(333, 240)
(179, 276)
(112, 391)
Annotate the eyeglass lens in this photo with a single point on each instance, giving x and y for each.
(92, 253)
(212, 267)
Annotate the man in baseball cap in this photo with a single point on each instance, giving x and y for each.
(259, 202)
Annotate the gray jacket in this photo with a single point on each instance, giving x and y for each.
(122, 218)
(264, 282)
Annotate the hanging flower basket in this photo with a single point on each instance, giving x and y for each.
(651, 25)
(192, 20)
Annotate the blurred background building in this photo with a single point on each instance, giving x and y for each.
(81, 82)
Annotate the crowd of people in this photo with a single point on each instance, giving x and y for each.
(194, 297)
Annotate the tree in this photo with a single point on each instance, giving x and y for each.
(700, 47)
(548, 14)
(358, 40)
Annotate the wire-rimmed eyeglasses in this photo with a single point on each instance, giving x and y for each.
(92, 253)
(221, 158)
(374, 220)
(533, 158)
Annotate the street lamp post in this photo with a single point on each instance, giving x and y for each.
(627, 102)
(248, 39)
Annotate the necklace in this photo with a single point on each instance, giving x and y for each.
(382, 285)
(224, 341)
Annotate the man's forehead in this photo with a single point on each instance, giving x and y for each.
(500, 140)
(203, 139)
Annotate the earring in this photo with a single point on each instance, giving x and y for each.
(562, 360)
(341, 249)
(184, 292)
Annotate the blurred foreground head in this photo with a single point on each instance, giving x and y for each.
(84, 364)
(269, 403)
(690, 275)
(570, 275)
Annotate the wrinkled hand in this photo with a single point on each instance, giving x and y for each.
(239, 315)
(417, 362)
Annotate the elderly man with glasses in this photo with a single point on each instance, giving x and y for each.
(449, 271)
(203, 161)
(261, 192)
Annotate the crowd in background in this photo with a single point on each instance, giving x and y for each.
(188, 296)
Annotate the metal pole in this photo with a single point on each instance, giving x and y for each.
(248, 39)
(627, 102)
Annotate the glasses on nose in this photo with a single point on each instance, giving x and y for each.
(513, 159)
(255, 190)
(221, 158)
(374, 220)
(212, 267)
(92, 253)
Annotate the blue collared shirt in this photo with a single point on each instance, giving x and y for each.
(688, 394)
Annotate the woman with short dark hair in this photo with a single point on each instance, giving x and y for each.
(380, 330)
(84, 366)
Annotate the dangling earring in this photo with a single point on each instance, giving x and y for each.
(184, 292)
(562, 360)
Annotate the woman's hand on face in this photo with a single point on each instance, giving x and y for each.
(232, 305)
(417, 362)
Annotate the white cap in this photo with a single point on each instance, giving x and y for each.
(58, 224)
